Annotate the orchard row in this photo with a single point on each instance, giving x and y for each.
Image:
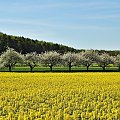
(10, 58)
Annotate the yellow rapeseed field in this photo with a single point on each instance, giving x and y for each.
(59, 96)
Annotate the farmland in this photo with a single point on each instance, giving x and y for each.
(59, 96)
(60, 69)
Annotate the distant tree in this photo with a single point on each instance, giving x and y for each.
(117, 61)
(9, 58)
(70, 59)
(104, 60)
(31, 59)
(26, 45)
(3, 42)
(50, 58)
(88, 57)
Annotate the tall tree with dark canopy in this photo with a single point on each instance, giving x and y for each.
(26, 45)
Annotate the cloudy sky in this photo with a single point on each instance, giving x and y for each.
(88, 24)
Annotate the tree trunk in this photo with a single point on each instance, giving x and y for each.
(10, 67)
(31, 68)
(87, 68)
(51, 67)
(70, 66)
(119, 68)
(103, 68)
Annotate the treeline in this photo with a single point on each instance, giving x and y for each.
(10, 58)
(26, 45)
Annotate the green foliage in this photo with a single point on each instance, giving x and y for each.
(26, 45)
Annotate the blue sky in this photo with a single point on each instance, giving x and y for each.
(82, 24)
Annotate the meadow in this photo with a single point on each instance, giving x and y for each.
(60, 69)
(59, 96)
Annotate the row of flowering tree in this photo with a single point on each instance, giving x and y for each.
(10, 58)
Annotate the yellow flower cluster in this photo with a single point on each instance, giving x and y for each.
(59, 96)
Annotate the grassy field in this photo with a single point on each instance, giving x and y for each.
(59, 96)
(47, 69)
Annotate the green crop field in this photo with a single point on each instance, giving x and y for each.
(59, 69)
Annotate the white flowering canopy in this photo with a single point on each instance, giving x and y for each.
(50, 58)
(9, 58)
